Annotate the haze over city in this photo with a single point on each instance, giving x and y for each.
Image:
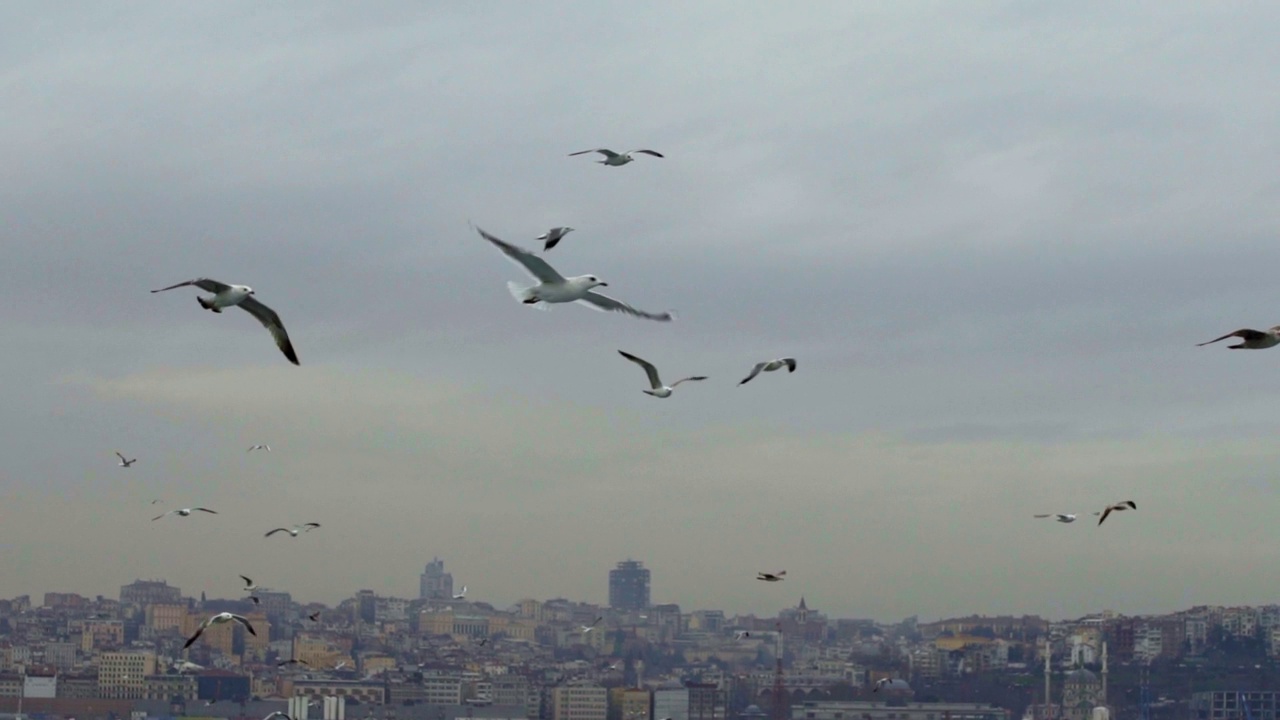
(992, 234)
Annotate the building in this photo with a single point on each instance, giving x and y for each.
(147, 592)
(123, 675)
(862, 710)
(671, 703)
(579, 702)
(1230, 705)
(629, 586)
(516, 690)
(1081, 693)
(435, 583)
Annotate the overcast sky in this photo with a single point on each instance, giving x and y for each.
(990, 232)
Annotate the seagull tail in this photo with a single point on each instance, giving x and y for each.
(521, 294)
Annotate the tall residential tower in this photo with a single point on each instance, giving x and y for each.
(629, 586)
(435, 583)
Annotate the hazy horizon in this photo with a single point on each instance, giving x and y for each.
(991, 233)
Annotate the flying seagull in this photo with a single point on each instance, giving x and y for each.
(277, 714)
(588, 628)
(659, 390)
(1060, 517)
(613, 158)
(184, 512)
(462, 594)
(1251, 339)
(553, 287)
(306, 527)
(742, 635)
(1126, 505)
(553, 236)
(249, 585)
(770, 366)
(259, 447)
(314, 617)
(291, 661)
(123, 462)
(225, 295)
(881, 683)
(771, 577)
(219, 619)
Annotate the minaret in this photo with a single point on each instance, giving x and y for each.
(1104, 673)
(1048, 671)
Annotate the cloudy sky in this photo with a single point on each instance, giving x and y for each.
(991, 232)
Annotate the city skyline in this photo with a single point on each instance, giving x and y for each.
(990, 233)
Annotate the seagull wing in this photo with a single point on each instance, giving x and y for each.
(211, 512)
(647, 152)
(754, 372)
(1043, 516)
(245, 622)
(212, 286)
(532, 264)
(273, 532)
(649, 369)
(1105, 513)
(247, 581)
(271, 321)
(692, 377)
(790, 363)
(1243, 334)
(310, 526)
(604, 303)
(603, 151)
(122, 459)
(195, 637)
(1130, 503)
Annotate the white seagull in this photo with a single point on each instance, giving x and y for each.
(219, 619)
(123, 462)
(553, 287)
(770, 366)
(588, 628)
(771, 577)
(1126, 505)
(249, 585)
(277, 714)
(185, 512)
(553, 236)
(659, 390)
(881, 683)
(225, 295)
(306, 527)
(1251, 339)
(462, 594)
(613, 158)
(1060, 517)
(259, 447)
(742, 635)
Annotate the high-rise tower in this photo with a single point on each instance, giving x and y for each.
(629, 586)
(435, 583)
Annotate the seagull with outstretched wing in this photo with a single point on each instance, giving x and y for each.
(658, 389)
(225, 295)
(616, 159)
(770, 366)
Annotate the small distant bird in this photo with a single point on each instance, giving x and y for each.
(553, 236)
(314, 617)
(483, 641)
(184, 512)
(462, 594)
(156, 501)
(340, 665)
(588, 628)
(293, 532)
(277, 714)
(770, 366)
(613, 158)
(219, 619)
(187, 666)
(1126, 505)
(225, 295)
(553, 287)
(771, 577)
(291, 661)
(259, 447)
(249, 585)
(123, 462)
(881, 683)
(1060, 517)
(255, 599)
(1251, 339)
(742, 635)
(659, 390)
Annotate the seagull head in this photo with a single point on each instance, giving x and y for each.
(594, 281)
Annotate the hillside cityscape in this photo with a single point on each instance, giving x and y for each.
(444, 655)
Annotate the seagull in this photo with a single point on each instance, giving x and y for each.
(187, 666)
(184, 512)
(483, 641)
(613, 158)
(259, 447)
(277, 714)
(314, 617)
(225, 295)
(588, 628)
(307, 527)
(249, 585)
(255, 599)
(771, 577)
(291, 661)
(553, 287)
(553, 236)
(123, 462)
(659, 390)
(742, 635)
(1251, 339)
(881, 683)
(219, 619)
(770, 366)
(1126, 505)
(156, 501)
(462, 594)
(1060, 517)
